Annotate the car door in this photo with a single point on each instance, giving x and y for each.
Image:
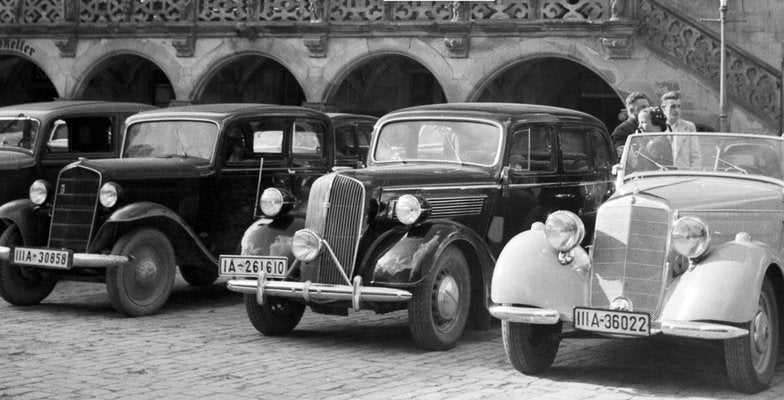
(68, 138)
(351, 143)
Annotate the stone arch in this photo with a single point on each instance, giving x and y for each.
(24, 80)
(124, 76)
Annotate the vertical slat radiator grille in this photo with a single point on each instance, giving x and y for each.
(75, 202)
(629, 255)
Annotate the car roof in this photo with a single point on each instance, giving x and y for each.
(336, 115)
(494, 111)
(60, 106)
(221, 111)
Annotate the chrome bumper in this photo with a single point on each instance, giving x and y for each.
(85, 260)
(526, 315)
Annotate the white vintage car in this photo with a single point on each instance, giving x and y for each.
(689, 245)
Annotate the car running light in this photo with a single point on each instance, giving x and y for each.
(690, 237)
(409, 209)
(110, 193)
(306, 245)
(39, 192)
(564, 230)
(271, 202)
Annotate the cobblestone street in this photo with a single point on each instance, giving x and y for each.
(201, 345)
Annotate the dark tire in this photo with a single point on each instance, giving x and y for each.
(276, 317)
(143, 285)
(530, 348)
(751, 359)
(197, 276)
(21, 286)
(438, 310)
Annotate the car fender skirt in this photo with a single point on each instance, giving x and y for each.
(725, 286)
(527, 315)
(528, 273)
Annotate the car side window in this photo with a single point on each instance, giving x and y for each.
(575, 150)
(246, 142)
(531, 149)
(308, 139)
(602, 157)
(346, 141)
(81, 135)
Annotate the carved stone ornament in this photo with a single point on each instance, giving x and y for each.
(617, 47)
(67, 46)
(185, 46)
(317, 45)
(457, 46)
(617, 10)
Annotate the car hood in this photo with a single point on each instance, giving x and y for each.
(142, 168)
(11, 159)
(421, 175)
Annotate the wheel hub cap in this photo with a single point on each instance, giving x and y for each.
(448, 298)
(761, 332)
(145, 273)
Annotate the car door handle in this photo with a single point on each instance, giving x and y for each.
(565, 196)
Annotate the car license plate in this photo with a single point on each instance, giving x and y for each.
(622, 322)
(41, 257)
(275, 267)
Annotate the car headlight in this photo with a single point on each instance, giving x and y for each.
(274, 201)
(690, 237)
(39, 192)
(306, 245)
(109, 194)
(410, 209)
(564, 230)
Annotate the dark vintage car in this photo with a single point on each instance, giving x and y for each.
(352, 137)
(39, 139)
(690, 245)
(182, 192)
(445, 187)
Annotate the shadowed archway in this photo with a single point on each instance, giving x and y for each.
(253, 79)
(23, 82)
(129, 77)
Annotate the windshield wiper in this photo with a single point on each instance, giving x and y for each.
(733, 166)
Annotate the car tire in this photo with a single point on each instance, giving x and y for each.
(438, 310)
(531, 348)
(276, 317)
(199, 276)
(21, 286)
(751, 359)
(141, 286)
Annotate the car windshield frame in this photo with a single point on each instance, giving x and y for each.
(453, 135)
(726, 154)
(182, 139)
(10, 138)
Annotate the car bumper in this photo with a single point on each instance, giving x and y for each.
(690, 329)
(82, 260)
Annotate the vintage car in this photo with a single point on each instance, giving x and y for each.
(689, 245)
(39, 139)
(352, 137)
(444, 189)
(182, 192)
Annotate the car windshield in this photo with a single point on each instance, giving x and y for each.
(18, 132)
(438, 141)
(698, 152)
(185, 139)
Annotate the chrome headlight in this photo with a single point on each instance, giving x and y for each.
(306, 245)
(109, 194)
(39, 192)
(274, 201)
(410, 209)
(690, 237)
(564, 230)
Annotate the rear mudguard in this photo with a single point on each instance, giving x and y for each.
(528, 273)
(271, 238)
(186, 243)
(724, 286)
(33, 223)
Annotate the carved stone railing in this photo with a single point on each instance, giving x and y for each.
(750, 82)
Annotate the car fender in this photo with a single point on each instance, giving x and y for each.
(528, 273)
(187, 245)
(22, 213)
(271, 238)
(724, 286)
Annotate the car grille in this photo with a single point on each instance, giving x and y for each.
(75, 203)
(629, 255)
(335, 211)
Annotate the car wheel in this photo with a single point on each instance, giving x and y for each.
(199, 276)
(21, 286)
(530, 348)
(438, 310)
(141, 286)
(751, 359)
(276, 317)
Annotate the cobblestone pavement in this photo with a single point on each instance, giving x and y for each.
(201, 345)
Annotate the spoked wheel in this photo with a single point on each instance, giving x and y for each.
(438, 311)
(198, 276)
(143, 285)
(21, 286)
(751, 359)
(530, 348)
(276, 317)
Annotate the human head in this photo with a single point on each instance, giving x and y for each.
(635, 102)
(671, 105)
(651, 119)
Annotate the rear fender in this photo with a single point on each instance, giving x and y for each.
(724, 286)
(187, 246)
(33, 225)
(528, 273)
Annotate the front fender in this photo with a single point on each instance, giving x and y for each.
(528, 273)
(725, 286)
(32, 224)
(271, 238)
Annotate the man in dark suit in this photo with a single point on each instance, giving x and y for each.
(635, 102)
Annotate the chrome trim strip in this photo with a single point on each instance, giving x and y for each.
(701, 330)
(461, 187)
(318, 292)
(526, 315)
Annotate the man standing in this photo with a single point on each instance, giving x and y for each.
(635, 102)
(686, 151)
